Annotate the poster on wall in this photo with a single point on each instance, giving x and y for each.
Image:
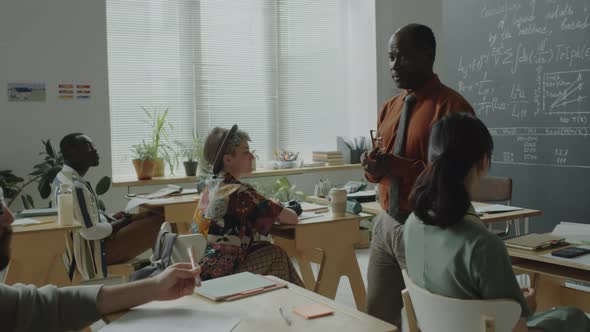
(71, 91)
(65, 91)
(83, 91)
(23, 92)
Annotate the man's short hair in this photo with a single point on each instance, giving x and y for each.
(69, 145)
(422, 38)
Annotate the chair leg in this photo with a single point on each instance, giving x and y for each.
(489, 324)
(410, 313)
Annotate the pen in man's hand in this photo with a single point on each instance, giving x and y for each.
(191, 255)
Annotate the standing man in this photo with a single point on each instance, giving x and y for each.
(400, 155)
(103, 240)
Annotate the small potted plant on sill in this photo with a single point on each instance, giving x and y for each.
(144, 160)
(192, 153)
(159, 140)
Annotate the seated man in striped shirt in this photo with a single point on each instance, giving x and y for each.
(99, 242)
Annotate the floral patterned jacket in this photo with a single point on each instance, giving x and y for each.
(229, 214)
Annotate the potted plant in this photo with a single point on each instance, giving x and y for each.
(144, 160)
(159, 141)
(191, 153)
(284, 191)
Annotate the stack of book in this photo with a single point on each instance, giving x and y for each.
(330, 158)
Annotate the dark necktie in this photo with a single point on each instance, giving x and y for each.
(398, 149)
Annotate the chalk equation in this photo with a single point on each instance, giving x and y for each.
(525, 68)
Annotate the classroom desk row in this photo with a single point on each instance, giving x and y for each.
(325, 240)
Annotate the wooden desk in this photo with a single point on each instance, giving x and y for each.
(260, 312)
(488, 218)
(179, 211)
(36, 254)
(324, 240)
(548, 276)
(329, 241)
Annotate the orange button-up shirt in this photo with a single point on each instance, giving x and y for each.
(434, 101)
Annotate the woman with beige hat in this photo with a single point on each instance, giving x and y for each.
(231, 212)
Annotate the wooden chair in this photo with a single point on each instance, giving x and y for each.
(428, 312)
(494, 189)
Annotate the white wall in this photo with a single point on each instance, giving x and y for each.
(362, 68)
(62, 41)
(58, 41)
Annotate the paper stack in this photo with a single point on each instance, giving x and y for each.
(575, 233)
(331, 158)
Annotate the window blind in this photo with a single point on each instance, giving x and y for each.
(277, 68)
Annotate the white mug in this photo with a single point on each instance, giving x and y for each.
(338, 201)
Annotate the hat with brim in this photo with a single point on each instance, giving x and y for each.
(221, 151)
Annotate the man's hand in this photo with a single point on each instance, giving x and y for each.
(119, 215)
(376, 163)
(531, 298)
(176, 281)
(380, 164)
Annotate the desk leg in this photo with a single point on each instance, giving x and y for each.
(517, 227)
(340, 262)
(526, 225)
(303, 260)
(38, 265)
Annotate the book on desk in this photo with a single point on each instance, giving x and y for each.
(536, 241)
(237, 286)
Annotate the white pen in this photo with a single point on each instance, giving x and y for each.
(285, 317)
(191, 255)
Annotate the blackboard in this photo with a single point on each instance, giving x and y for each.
(525, 67)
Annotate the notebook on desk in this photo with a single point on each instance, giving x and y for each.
(536, 241)
(237, 286)
(31, 213)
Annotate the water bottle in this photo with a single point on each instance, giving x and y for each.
(65, 207)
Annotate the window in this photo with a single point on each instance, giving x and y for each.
(277, 68)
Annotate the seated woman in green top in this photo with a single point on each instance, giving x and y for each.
(449, 251)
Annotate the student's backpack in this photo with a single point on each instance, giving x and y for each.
(161, 258)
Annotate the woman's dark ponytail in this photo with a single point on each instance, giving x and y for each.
(457, 143)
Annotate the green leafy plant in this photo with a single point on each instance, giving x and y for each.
(144, 151)
(46, 170)
(160, 136)
(284, 191)
(13, 186)
(192, 151)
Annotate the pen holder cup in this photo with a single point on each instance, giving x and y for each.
(355, 156)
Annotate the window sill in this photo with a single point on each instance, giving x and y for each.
(133, 182)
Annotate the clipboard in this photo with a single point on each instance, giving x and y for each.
(237, 286)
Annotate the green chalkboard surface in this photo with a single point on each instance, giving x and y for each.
(525, 68)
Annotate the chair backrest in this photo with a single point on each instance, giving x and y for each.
(183, 243)
(434, 312)
(493, 189)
